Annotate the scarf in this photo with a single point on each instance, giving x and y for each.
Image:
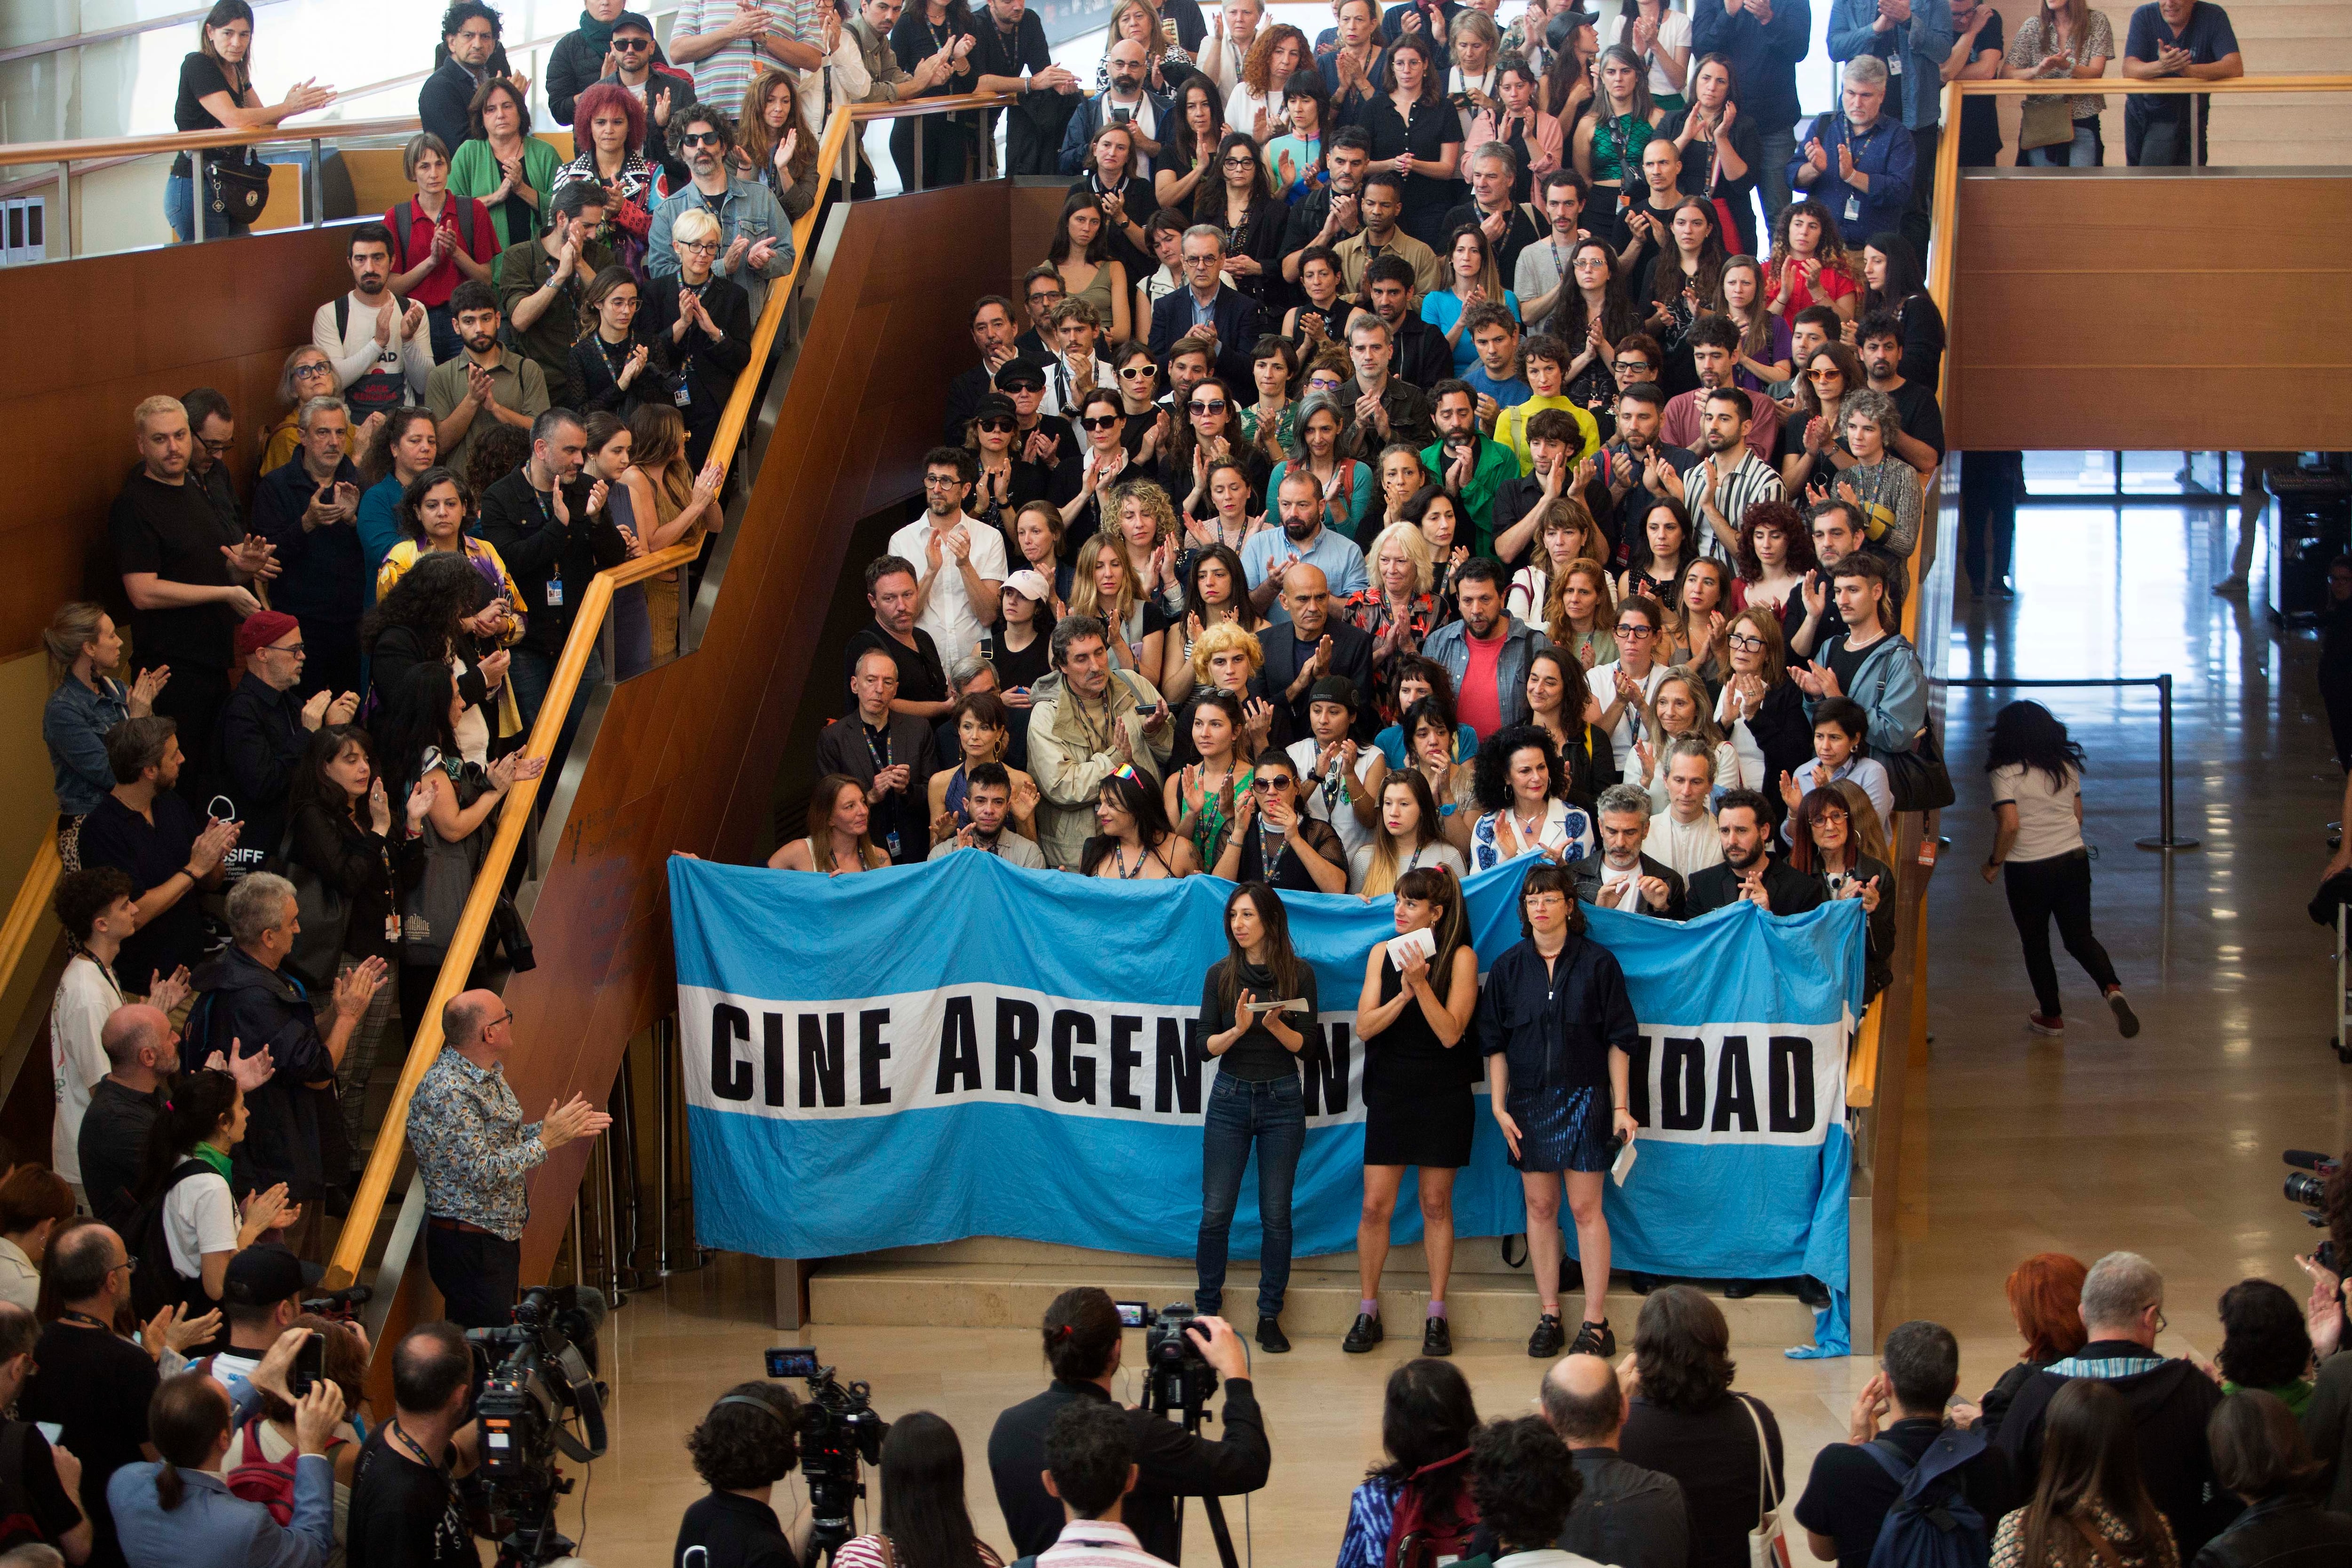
(598, 35)
(218, 1158)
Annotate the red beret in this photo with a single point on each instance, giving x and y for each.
(260, 629)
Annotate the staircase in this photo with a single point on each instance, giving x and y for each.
(2275, 130)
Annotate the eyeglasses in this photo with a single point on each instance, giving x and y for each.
(1741, 639)
(1138, 372)
(703, 248)
(699, 139)
(1213, 406)
(1243, 162)
(631, 45)
(218, 448)
(1100, 421)
(505, 1018)
(941, 481)
(1046, 297)
(1840, 817)
(1825, 375)
(129, 1266)
(304, 371)
(1631, 364)
(298, 649)
(1636, 634)
(994, 424)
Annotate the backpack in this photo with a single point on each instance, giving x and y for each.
(155, 1284)
(1932, 1524)
(375, 392)
(1419, 1537)
(269, 1482)
(406, 212)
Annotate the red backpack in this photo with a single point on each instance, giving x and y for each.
(1425, 1531)
(269, 1482)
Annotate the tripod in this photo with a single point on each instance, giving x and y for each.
(1193, 1415)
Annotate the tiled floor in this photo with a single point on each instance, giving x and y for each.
(2167, 1145)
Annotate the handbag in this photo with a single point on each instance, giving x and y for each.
(324, 914)
(1767, 1547)
(239, 183)
(433, 908)
(2046, 122)
(1917, 778)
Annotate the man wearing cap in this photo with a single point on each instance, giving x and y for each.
(264, 729)
(1318, 644)
(1331, 765)
(1039, 437)
(261, 1296)
(663, 88)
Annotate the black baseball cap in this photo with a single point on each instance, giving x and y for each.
(263, 1276)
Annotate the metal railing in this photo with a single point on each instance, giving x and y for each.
(2164, 837)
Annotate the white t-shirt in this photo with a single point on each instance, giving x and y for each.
(199, 1217)
(1601, 680)
(1688, 846)
(1674, 36)
(1429, 857)
(1241, 110)
(2046, 828)
(1340, 814)
(87, 996)
(947, 611)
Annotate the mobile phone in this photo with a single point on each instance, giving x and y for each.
(1168, 28)
(310, 1367)
(792, 1361)
(1130, 1313)
(1120, 116)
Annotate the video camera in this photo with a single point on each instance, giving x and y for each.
(2311, 1191)
(838, 1427)
(1177, 1377)
(536, 1382)
(339, 1306)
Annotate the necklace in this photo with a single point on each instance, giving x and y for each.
(1528, 835)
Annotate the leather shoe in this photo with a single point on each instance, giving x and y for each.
(1270, 1338)
(1437, 1337)
(1367, 1333)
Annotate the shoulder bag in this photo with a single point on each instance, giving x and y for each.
(1917, 778)
(438, 901)
(238, 184)
(1766, 1548)
(325, 918)
(2045, 121)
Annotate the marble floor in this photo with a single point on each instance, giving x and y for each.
(2167, 1144)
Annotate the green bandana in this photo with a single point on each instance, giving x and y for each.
(598, 35)
(216, 1158)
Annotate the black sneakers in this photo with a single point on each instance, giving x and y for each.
(1594, 1339)
(1437, 1337)
(1270, 1337)
(2126, 1019)
(1367, 1333)
(1547, 1338)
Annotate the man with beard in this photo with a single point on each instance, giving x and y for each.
(1421, 354)
(1618, 875)
(751, 225)
(1487, 651)
(541, 281)
(555, 532)
(1318, 645)
(1013, 55)
(484, 388)
(1920, 441)
(381, 352)
(1470, 466)
(992, 335)
(1715, 354)
(1268, 556)
(1088, 720)
(1838, 532)
(1494, 169)
(1326, 217)
(1747, 870)
(1379, 409)
(1718, 490)
(1381, 205)
(988, 796)
(958, 561)
(1635, 463)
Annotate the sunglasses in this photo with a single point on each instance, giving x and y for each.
(1138, 372)
(995, 424)
(1217, 405)
(1268, 785)
(1825, 375)
(1100, 421)
(631, 45)
(699, 139)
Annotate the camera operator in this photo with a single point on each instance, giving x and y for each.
(1082, 1337)
(742, 1449)
(404, 1511)
(2327, 1418)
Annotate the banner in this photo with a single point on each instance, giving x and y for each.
(965, 1047)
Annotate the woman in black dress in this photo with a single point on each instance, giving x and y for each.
(1558, 1033)
(1417, 1079)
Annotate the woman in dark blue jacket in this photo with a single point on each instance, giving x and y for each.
(1557, 1028)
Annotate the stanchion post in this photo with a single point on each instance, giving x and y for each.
(2166, 840)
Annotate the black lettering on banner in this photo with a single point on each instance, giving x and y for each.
(771, 1054)
(820, 1060)
(730, 1078)
(1126, 1056)
(1180, 1054)
(959, 1048)
(1734, 1087)
(1074, 1075)
(1326, 1067)
(873, 1050)
(1016, 1047)
(1682, 1084)
(1637, 1081)
(1790, 1074)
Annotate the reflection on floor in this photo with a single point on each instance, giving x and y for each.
(2167, 1145)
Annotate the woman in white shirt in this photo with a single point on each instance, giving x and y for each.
(2036, 772)
(1660, 37)
(1624, 685)
(205, 1119)
(1679, 709)
(1260, 105)
(1405, 838)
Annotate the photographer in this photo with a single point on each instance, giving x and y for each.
(742, 1449)
(404, 1511)
(1082, 1338)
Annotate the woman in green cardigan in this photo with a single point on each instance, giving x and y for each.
(502, 163)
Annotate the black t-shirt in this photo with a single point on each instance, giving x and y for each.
(95, 1385)
(1427, 198)
(1287, 871)
(405, 1514)
(1980, 121)
(1923, 420)
(921, 677)
(113, 1139)
(992, 54)
(173, 531)
(1018, 667)
(734, 1531)
(1845, 662)
(200, 76)
(114, 835)
(1849, 1493)
(53, 1511)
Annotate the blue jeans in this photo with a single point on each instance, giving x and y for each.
(2082, 153)
(533, 672)
(1273, 1115)
(179, 191)
(1774, 148)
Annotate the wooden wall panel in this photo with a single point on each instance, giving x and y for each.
(94, 337)
(684, 757)
(2131, 310)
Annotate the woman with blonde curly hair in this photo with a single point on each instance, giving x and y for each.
(1149, 533)
(1224, 658)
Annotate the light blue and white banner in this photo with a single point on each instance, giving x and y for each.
(965, 1048)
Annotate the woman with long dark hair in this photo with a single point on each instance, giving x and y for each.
(1558, 1031)
(1238, 201)
(1725, 1447)
(1080, 252)
(1420, 1062)
(1594, 314)
(671, 502)
(1187, 163)
(924, 1521)
(837, 842)
(1893, 280)
(1426, 1422)
(1608, 147)
(217, 93)
(1136, 843)
(431, 514)
(1824, 841)
(2036, 771)
(440, 612)
(204, 1118)
(1258, 1099)
(2092, 1508)
(617, 363)
(407, 443)
(1722, 152)
(1417, 134)
(1808, 265)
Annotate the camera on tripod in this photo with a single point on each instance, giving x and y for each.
(537, 1383)
(2311, 1191)
(838, 1427)
(1177, 1377)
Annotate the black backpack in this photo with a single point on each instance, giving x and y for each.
(155, 1284)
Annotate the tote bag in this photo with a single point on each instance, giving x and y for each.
(1766, 1548)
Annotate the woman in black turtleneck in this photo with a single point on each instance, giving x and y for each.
(1256, 1098)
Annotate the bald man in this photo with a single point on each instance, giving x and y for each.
(1316, 641)
(142, 1051)
(1625, 1515)
(475, 1152)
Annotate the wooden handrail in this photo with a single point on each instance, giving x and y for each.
(2077, 86)
(587, 627)
(187, 141)
(1861, 1064)
(25, 914)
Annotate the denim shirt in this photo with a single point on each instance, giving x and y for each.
(747, 207)
(75, 724)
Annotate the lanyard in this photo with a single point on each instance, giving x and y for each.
(881, 754)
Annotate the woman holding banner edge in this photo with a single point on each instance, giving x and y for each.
(1417, 1078)
(1557, 1028)
(1258, 1097)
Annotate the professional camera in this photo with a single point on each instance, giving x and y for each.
(536, 1384)
(339, 1306)
(838, 1427)
(2311, 1191)
(1177, 1377)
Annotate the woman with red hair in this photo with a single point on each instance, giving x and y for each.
(611, 125)
(2045, 1298)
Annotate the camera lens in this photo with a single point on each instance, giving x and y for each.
(2301, 1188)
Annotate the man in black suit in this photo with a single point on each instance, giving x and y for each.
(889, 754)
(1618, 875)
(992, 335)
(1318, 644)
(471, 56)
(1747, 870)
(1205, 308)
